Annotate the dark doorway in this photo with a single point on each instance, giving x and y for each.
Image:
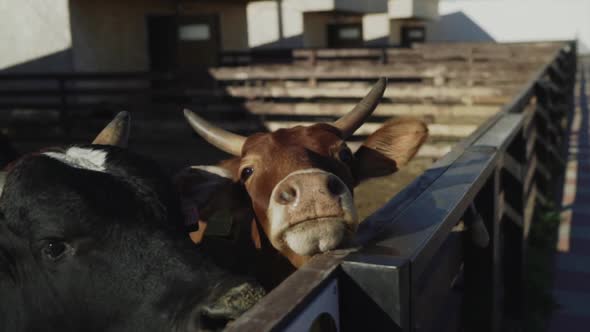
(346, 35)
(162, 43)
(183, 43)
(410, 35)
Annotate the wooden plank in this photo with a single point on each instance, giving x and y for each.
(465, 95)
(506, 210)
(549, 147)
(384, 109)
(543, 170)
(531, 141)
(529, 176)
(304, 73)
(529, 210)
(427, 150)
(401, 71)
(547, 121)
(513, 167)
(442, 130)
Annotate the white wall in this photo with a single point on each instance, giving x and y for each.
(420, 9)
(263, 18)
(35, 35)
(376, 29)
(513, 21)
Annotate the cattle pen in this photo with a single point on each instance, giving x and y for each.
(411, 272)
(414, 273)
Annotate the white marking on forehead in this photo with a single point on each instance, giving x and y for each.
(83, 158)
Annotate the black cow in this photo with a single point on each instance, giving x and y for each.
(91, 239)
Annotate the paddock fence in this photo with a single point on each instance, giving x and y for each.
(412, 271)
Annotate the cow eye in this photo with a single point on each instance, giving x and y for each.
(246, 173)
(55, 249)
(345, 155)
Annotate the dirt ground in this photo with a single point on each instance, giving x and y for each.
(374, 193)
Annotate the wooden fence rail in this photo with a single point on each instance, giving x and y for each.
(412, 272)
(419, 53)
(262, 97)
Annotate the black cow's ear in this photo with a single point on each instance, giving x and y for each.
(209, 197)
(389, 148)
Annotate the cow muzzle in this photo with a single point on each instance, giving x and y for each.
(311, 211)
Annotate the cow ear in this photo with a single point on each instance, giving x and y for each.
(389, 148)
(209, 196)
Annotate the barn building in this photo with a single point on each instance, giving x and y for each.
(338, 23)
(162, 35)
(114, 36)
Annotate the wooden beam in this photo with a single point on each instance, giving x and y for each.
(418, 94)
(441, 130)
(384, 109)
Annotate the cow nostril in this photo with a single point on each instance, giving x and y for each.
(335, 186)
(287, 195)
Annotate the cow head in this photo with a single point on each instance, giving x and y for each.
(91, 239)
(300, 180)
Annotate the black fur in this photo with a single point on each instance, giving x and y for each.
(131, 267)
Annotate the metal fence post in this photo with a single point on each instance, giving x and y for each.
(481, 308)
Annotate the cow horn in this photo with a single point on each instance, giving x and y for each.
(350, 122)
(222, 139)
(116, 133)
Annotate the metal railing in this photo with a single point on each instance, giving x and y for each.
(412, 272)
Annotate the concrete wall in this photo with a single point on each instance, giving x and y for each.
(513, 21)
(111, 35)
(376, 29)
(263, 24)
(410, 9)
(426, 9)
(304, 21)
(35, 35)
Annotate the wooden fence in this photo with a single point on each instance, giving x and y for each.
(412, 273)
(419, 53)
(453, 88)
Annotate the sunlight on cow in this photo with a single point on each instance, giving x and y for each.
(299, 181)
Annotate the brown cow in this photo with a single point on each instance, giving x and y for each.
(300, 180)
